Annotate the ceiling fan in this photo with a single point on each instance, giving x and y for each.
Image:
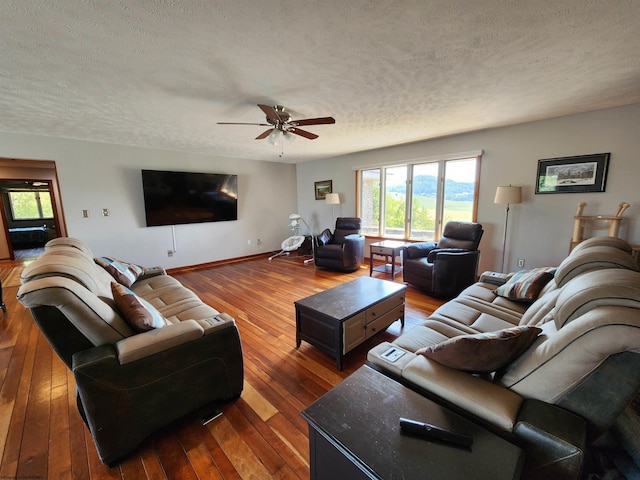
(280, 121)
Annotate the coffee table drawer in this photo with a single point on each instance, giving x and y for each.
(383, 321)
(380, 309)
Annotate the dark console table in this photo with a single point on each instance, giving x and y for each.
(341, 318)
(354, 433)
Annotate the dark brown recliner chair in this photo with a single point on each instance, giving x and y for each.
(343, 249)
(445, 268)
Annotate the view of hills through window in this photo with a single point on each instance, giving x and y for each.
(427, 186)
(418, 199)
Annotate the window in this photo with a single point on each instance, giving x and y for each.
(30, 205)
(415, 200)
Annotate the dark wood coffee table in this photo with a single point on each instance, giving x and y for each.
(354, 433)
(341, 318)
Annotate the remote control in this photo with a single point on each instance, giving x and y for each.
(431, 431)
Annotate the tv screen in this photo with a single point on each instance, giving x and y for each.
(175, 198)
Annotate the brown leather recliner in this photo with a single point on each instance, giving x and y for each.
(445, 268)
(343, 249)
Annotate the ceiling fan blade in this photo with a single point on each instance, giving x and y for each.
(265, 134)
(315, 121)
(271, 113)
(240, 123)
(303, 133)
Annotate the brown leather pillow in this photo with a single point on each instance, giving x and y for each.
(483, 352)
(137, 312)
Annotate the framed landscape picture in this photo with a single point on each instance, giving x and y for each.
(584, 173)
(322, 188)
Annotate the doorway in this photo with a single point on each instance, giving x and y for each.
(30, 207)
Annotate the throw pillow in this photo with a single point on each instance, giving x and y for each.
(526, 285)
(483, 352)
(137, 312)
(123, 272)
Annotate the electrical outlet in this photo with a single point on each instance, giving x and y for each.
(258, 242)
(105, 212)
(520, 262)
(248, 242)
(85, 213)
(169, 253)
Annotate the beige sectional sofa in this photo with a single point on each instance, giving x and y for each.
(132, 377)
(564, 389)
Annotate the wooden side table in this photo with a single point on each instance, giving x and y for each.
(388, 249)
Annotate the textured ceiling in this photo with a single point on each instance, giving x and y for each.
(161, 73)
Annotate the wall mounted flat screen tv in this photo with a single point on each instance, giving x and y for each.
(175, 198)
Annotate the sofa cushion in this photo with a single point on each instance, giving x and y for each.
(123, 272)
(136, 311)
(593, 258)
(596, 289)
(526, 285)
(483, 352)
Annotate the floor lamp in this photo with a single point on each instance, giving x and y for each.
(332, 199)
(294, 218)
(507, 195)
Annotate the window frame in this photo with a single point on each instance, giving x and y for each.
(36, 193)
(442, 162)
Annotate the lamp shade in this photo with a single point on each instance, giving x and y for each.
(508, 195)
(332, 199)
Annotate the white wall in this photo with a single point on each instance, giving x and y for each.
(94, 176)
(540, 228)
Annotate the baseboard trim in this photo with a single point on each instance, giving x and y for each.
(217, 263)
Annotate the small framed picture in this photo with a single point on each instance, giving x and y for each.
(585, 173)
(322, 188)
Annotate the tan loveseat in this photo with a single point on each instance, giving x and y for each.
(131, 379)
(568, 386)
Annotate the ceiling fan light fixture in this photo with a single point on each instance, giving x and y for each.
(273, 137)
(288, 136)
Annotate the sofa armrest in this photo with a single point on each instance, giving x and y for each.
(453, 272)
(212, 324)
(419, 249)
(324, 238)
(123, 404)
(353, 241)
(144, 344)
(492, 403)
(435, 253)
(353, 248)
(151, 272)
(394, 363)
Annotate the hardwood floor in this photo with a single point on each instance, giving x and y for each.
(261, 435)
